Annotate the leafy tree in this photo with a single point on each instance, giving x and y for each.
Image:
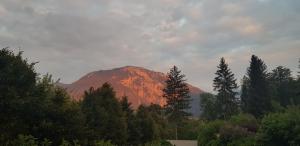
(53, 115)
(208, 106)
(104, 115)
(177, 96)
(296, 87)
(156, 112)
(189, 129)
(257, 101)
(299, 70)
(244, 95)
(281, 81)
(17, 82)
(130, 120)
(225, 85)
(278, 129)
(34, 106)
(12, 66)
(146, 125)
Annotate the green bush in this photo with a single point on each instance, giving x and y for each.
(247, 141)
(189, 129)
(24, 140)
(65, 143)
(209, 132)
(239, 130)
(245, 121)
(158, 143)
(229, 132)
(103, 143)
(279, 129)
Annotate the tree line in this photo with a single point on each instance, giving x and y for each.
(265, 111)
(34, 111)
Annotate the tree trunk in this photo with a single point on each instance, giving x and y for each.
(176, 132)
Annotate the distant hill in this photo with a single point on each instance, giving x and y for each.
(142, 86)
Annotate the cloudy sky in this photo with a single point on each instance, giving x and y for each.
(70, 38)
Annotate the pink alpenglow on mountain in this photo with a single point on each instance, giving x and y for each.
(140, 85)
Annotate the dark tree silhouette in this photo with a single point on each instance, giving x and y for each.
(104, 115)
(258, 101)
(177, 95)
(225, 84)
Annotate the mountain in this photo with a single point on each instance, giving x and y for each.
(142, 86)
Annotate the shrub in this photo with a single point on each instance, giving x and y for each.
(158, 143)
(280, 128)
(189, 129)
(229, 132)
(103, 143)
(209, 132)
(247, 141)
(245, 121)
(239, 130)
(24, 140)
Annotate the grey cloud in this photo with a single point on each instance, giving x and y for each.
(72, 37)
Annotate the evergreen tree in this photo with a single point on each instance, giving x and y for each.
(225, 85)
(177, 95)
(104, 115)
(258, 101)
(281, 82)
(208, 106)
(132, 137)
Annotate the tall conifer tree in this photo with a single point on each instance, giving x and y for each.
(257, 101)
(225, 85)
(177, 96)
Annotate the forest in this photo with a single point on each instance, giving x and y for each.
(263, 110)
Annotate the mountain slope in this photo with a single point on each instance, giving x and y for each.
(142, 86)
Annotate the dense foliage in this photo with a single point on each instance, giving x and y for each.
(104, 116)
(282, 128)
(208, 106)
(36, 112)
(276, 129)
(34, 106)
(269, 110)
